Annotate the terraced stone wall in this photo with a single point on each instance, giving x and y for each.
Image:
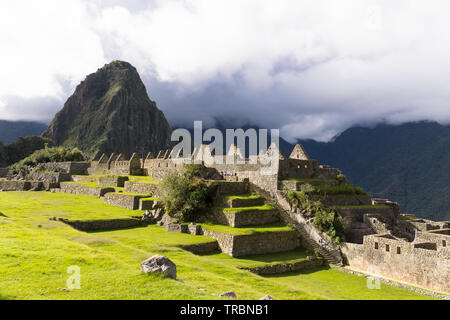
(80, 189)
(401, 261)
(144, 188)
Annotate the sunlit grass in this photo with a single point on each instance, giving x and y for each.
(35, 254)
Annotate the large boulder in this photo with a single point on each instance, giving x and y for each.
(165, 220)
(159, 263)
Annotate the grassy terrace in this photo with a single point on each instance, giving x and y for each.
(135, 194)
(264, 207)
(85, 184)
(35, 254)
(45, 205)
(275, 227)
(143, 179)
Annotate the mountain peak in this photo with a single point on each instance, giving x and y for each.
(110, 111)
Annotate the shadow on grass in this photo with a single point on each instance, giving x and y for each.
(277, 257)
(263, 226)
(296, 273)
(115, 229)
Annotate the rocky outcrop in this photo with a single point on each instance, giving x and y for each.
(159, 263)
(110, 111)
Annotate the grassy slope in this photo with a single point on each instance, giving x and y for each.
(35, 254)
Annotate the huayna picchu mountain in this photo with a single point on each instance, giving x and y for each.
(110, 111)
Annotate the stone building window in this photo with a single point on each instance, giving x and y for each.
(444, 243)
(387, 248)
(376, 245)
(399, 250)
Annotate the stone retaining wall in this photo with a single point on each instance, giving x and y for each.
(232, 187)
(53, 177)
(286, 267)
(145, 204)
(97, 225)
(67, 167)
(202, 248)
(80, 189)
(260, 243)
(246, 218)
(400, 261)
(126, 201)
(112, 181)
(15, 185)
(237, 203)
(152, 189)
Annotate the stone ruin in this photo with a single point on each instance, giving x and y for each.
(378, 240)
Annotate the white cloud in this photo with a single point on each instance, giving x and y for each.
(311, 68)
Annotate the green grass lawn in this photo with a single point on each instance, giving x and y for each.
(143, 179)
(273, 227)
(35, 254)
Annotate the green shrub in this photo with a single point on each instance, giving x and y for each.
(328, 221)
(187, 197)
(325, 219)
(54, 154)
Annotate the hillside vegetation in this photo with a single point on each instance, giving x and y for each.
(21, 148)
(409, 164)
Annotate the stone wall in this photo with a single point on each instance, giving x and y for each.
(260, 243)
(112, 181)
(202, 248)
(297, 169)
(152, 189)
(246, 218)
(74, 188)
(385, 256)
(15, 185)
(77, 168)
(126, 201)
(232, 187)
(97, 225)
(49, 176)
(286, 267)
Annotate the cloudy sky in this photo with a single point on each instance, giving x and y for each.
(311, 68)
